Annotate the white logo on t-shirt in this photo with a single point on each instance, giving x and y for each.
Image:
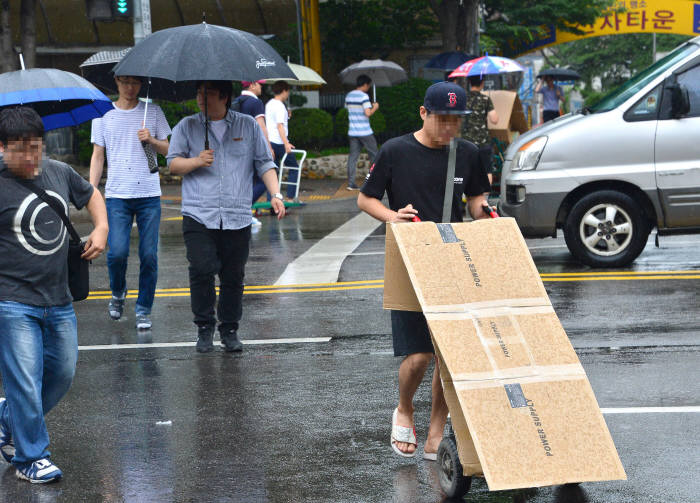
(458, 179)
(25, 225)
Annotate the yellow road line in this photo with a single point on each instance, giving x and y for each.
(616, 273)
(378, 283)
(620, 278)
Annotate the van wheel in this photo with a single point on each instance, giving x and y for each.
(606, 229)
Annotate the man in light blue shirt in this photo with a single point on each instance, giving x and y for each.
(359, 131)
(552, 95)
(216, 188)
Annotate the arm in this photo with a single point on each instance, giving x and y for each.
(288, 147)
(160, 146)
(184, 165)
(272, 185)
(560, 94)
(538, 86)
(493, 116)
(372, 109)
(97, 164)
(476, 204)
(263, 126)
(97, 241)
(375, 208)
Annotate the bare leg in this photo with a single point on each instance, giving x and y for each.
(411, 374)
(438, 413)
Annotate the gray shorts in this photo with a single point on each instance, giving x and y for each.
(410, 333)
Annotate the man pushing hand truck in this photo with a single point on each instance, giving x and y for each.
(412, 170)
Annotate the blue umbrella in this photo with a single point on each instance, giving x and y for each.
(448, 61)
(60, 98)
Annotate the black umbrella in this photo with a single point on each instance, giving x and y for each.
(448, 61)
(186, 54)
(98, 68)
(559, 74)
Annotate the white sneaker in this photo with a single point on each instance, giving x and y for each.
(256, 222)
(39, 472)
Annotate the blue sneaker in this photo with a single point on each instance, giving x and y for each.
(116, 307)
(41, 471)
(7, 448)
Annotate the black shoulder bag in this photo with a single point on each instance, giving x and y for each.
(78, 271)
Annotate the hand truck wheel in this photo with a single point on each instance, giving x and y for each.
(452, 481)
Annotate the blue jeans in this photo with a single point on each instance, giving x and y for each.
(38, 353)
(121, 213)
(289, 162)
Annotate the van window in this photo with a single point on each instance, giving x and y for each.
(689, 79)
(621, 94)
(647, 108)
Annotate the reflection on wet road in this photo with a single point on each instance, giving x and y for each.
(303, 414)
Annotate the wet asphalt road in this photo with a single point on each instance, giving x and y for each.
(310, 421)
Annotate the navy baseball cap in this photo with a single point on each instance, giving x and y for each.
(446, 98)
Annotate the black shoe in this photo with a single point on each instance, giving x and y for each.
(230, 341)
(205, 339)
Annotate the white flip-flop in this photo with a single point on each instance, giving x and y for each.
(402, 434)
(430, 456)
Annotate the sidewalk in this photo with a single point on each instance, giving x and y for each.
(310, 190)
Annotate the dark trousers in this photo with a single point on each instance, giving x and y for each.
(549, 115)
(211, 252)
(289, 162)
(356, 144)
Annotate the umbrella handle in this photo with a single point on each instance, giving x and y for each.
(145, 111)
(374, 92)
(206, 118)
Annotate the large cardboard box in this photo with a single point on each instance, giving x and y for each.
(511, 118)
(521, 405)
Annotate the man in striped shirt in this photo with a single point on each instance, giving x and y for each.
(359, 131)
(132, 191)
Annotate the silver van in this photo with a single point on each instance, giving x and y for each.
(609, 174)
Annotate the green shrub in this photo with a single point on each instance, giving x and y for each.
(341, 124)
(310, 128)
(400, 105)
(297, 100)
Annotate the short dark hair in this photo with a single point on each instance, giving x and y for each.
(475, 80)
(20, 122)
(225, 88)
(362, 80)
(279, 87)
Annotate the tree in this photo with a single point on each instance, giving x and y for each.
(459, 24)
(509, 23)
(613, 58)
(27, 27)
(6, 50)
(8, 56)
(355, 29)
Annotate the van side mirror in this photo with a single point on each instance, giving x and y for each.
(680, 102)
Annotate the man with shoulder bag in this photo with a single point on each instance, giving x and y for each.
(38, 327)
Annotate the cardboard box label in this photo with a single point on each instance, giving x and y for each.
(522, 408)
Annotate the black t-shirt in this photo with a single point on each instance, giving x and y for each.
(251, 106)
(33, 239)
(410, 172)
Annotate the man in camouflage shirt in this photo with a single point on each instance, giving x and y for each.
(475, 127)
